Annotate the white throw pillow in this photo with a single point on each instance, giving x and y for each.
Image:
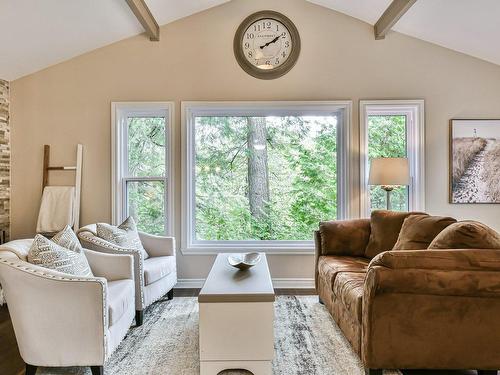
(63, 253)
(124, 235)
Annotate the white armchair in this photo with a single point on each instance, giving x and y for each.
(62, 320)
(154, 276)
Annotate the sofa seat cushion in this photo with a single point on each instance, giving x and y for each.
(120, 298)
(156, 268)
(330, 266)
(348, 290)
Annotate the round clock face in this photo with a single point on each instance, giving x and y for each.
(267, 45)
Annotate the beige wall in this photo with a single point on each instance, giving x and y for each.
(70, 102)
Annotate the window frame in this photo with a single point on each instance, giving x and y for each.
(414, 110)
(120, 111)
(192, 109)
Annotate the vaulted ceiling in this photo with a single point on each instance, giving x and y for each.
(35, 34)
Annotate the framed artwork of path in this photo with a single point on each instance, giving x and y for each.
(474, 161)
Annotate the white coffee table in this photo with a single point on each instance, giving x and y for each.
(236, 319)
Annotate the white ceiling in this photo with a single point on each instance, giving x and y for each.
(35, 34)
(468, 26)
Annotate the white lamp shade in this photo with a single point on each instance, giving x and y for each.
(389, 171)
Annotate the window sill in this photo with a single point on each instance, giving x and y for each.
(214, 249)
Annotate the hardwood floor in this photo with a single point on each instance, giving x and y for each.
(12, 364)
(10, 360)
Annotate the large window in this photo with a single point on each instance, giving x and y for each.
(262, 175)
(392, 129)
(141, 165)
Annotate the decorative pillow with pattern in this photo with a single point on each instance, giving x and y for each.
(68, 239)
(47, 253)
(124, 235)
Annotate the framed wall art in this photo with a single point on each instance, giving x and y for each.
(474, 161)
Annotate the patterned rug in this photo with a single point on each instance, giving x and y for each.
(307, 342)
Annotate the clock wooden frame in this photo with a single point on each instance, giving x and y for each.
(240, 54)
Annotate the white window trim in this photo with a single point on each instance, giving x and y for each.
(119, 113)
(279, 108)
(414, 110)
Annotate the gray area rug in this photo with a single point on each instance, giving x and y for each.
(307, 342)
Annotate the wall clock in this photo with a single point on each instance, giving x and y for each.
(267, 44)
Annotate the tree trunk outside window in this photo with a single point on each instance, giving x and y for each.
(258, 178)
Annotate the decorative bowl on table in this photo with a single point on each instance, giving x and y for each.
(243, 261)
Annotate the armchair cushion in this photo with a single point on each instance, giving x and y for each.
(467, 235)
(157, 268)
(125, 235)
(330, 266)
(385, 227)
(46, 253)
(418, 231)
(120, 298)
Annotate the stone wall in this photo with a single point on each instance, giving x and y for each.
(4, 160)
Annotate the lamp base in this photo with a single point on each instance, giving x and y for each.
(388, 189)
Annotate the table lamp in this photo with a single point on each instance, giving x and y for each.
(389, 173)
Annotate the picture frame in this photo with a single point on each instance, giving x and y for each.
(474, 161)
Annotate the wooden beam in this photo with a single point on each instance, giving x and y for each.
(145, 17)
(391, 15)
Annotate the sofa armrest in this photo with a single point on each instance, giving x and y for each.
(158, 246)
(54, 313)
(89, 240)
(473, 273)
(110, 266)
(453, 259)
(432, 301)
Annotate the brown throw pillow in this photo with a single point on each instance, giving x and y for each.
(418, 231)
(385, 227)
(467, 235)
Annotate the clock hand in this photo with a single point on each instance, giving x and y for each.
(272, 41)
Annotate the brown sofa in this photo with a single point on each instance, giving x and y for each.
(429, 308)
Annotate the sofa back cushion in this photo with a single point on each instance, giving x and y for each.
(385, 227)
(467, 235)
(124, 235)
(418, 231)
(344, 237)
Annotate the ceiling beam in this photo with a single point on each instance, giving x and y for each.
(145, 17)
(391, 15)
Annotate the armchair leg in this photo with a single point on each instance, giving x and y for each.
(30, 369)
(320, 301)
(139, 317)
(486, 372)
(170, 294)
(370, 371)
(97, 370)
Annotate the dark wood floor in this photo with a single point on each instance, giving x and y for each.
(12, 364)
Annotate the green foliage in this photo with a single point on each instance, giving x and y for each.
(146, 158)
(387, 138)
(302, 170)
(302, 178)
